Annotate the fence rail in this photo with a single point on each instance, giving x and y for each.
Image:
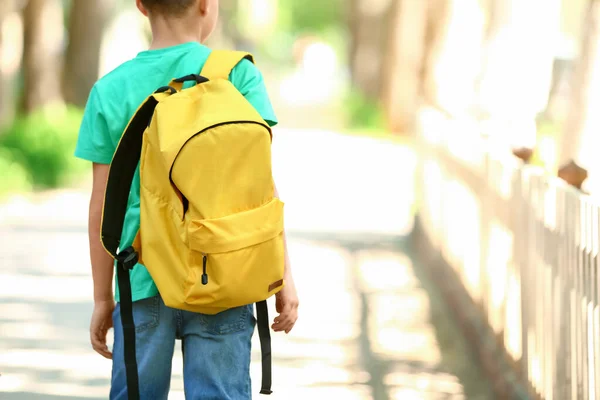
(525, 247)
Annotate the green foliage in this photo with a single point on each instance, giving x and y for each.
(15, 177)
(297, 19)
(363, 113)
(42, 144)
(550, 129)
(311, 16)
(547, 131)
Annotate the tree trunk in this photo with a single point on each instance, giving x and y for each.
(436, 29)
(562, 75)
(88, 20)
(369, 31)
(404, 64)
(495, 19)
(6, 85)
(517, 62)
(231, 31)
(43, 23)
(578, 118)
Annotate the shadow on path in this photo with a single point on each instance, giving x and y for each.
(456, 357)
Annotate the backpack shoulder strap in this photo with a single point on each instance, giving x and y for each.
(122, 169)
(120, 176)
(220, 63)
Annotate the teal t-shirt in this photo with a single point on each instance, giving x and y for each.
(114, 99)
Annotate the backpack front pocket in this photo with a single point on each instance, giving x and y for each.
(236, 260)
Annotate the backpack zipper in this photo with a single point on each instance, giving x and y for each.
(201, 132)
(207, 129)
(204, 273)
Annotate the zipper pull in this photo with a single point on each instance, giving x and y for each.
(204, 274)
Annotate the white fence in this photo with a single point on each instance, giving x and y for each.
(525, 247)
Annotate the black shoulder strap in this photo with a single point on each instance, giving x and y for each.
(120, 176)
(122, 170)
(129, 347)
(264, 334)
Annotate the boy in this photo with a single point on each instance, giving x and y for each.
(216, 347)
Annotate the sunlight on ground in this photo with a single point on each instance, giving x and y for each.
(361, 186)
(396, 318)
(68, 208)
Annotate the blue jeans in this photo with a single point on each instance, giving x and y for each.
(216, 352)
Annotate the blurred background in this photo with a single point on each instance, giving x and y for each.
(438, 166)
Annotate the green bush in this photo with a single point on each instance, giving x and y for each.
(363, 113)
(547, 130)
(43, 144)
(15, 177)
(311, 15)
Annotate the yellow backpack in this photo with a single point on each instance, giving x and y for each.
(211, 229)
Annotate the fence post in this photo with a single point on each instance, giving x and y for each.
(484, 226)
(525, 273)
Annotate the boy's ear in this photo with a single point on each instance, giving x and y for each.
(203, 6)
(141, 7)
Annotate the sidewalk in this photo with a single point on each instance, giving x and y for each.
(365, 328)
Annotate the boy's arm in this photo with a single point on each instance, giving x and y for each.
(249, 81)
(288, 270)
(247, 78)
(102, 262)
(94, 144)
(287, 299)
(102, 267)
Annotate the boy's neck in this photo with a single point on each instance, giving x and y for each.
(171, 32)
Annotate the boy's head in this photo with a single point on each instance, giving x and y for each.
(195, 14)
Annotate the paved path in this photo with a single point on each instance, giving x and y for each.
(365, 330)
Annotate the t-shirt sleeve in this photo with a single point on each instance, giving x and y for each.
(249, 81)
(94, 142)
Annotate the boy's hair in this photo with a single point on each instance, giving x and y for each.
(173, 8)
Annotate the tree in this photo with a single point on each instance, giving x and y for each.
(88, 20)
(369, 23)
(579, 112)
(403, 68)
(43, 32)
(436, 30)
(6, 88)
(453, 36)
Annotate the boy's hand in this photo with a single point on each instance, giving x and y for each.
(287, 306)
(101, 323)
